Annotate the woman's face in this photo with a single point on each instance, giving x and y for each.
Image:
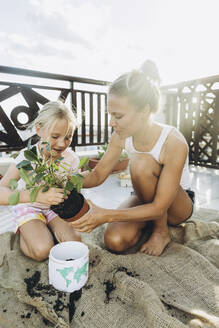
(57, 137)
(124, 118)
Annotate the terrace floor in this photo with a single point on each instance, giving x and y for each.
(205, 183)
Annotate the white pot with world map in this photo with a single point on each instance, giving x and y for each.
(68, 266)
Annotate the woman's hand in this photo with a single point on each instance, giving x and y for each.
(53, 196)
(92, 219)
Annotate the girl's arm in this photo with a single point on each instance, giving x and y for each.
(106, 164)
(53, 196)
(5, 190)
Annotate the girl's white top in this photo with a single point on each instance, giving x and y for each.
(70, 158)
(185, 181)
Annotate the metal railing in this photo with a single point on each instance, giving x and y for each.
(20, 103)
(193, 107)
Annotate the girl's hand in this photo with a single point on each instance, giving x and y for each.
(53, 196)
(91, 220)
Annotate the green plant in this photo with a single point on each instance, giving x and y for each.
(41, 174)
(103, 149)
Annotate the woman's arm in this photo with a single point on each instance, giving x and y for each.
(105, 165)
(167, 188)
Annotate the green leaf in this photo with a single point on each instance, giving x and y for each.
(13, 184)
(14, 198)
(24, 176)
(34, 193)
(30, 155)
(100, 154)
(79, 185)
(70, 186)
(29, 144)
(83, 162)
(25, 164)
(38, 177)
(79, 176)
(45, 189)
(77, 181)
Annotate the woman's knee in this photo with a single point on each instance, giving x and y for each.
(143, 166)
(114, 241)
(118, 242)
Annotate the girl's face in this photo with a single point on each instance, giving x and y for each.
(57, 137)
(125, 119)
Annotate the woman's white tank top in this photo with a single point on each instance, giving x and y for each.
(185, 181)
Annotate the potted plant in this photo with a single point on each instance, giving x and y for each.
(120, 166)
(40, 174)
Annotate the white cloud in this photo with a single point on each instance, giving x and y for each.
(102, 39)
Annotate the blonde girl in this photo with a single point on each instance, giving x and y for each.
(36, 223)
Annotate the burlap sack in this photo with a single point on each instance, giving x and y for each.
(178, 289)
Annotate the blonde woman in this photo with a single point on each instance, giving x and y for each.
(158, 165)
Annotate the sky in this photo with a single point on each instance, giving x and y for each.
(102, 39)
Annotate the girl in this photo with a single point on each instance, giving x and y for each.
(54, 124)
(158, 166)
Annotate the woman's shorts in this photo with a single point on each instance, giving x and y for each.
(24, 213)
(191, 195)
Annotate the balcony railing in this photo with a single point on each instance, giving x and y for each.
(20, 103)
(193, 107)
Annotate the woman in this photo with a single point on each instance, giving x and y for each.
(158, 165)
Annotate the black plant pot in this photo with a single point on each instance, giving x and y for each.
(72, 208)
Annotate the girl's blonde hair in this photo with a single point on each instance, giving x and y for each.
(53, 111)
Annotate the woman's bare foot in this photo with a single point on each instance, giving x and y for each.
(156, 243)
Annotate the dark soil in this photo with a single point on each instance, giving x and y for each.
(70, 260)
(95, 261)
(47, 323)
(129, 273)
(36, 289)
(86, 287)
(109, 285)
(72, 299)
(109, 288)
(31, 284)
(70, 207)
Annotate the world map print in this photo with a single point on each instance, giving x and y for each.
(66, 273)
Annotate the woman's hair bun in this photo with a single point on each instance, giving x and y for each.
(150, 70)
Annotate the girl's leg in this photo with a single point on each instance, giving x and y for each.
(120, 236)
(63, 230)
(35, 240)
